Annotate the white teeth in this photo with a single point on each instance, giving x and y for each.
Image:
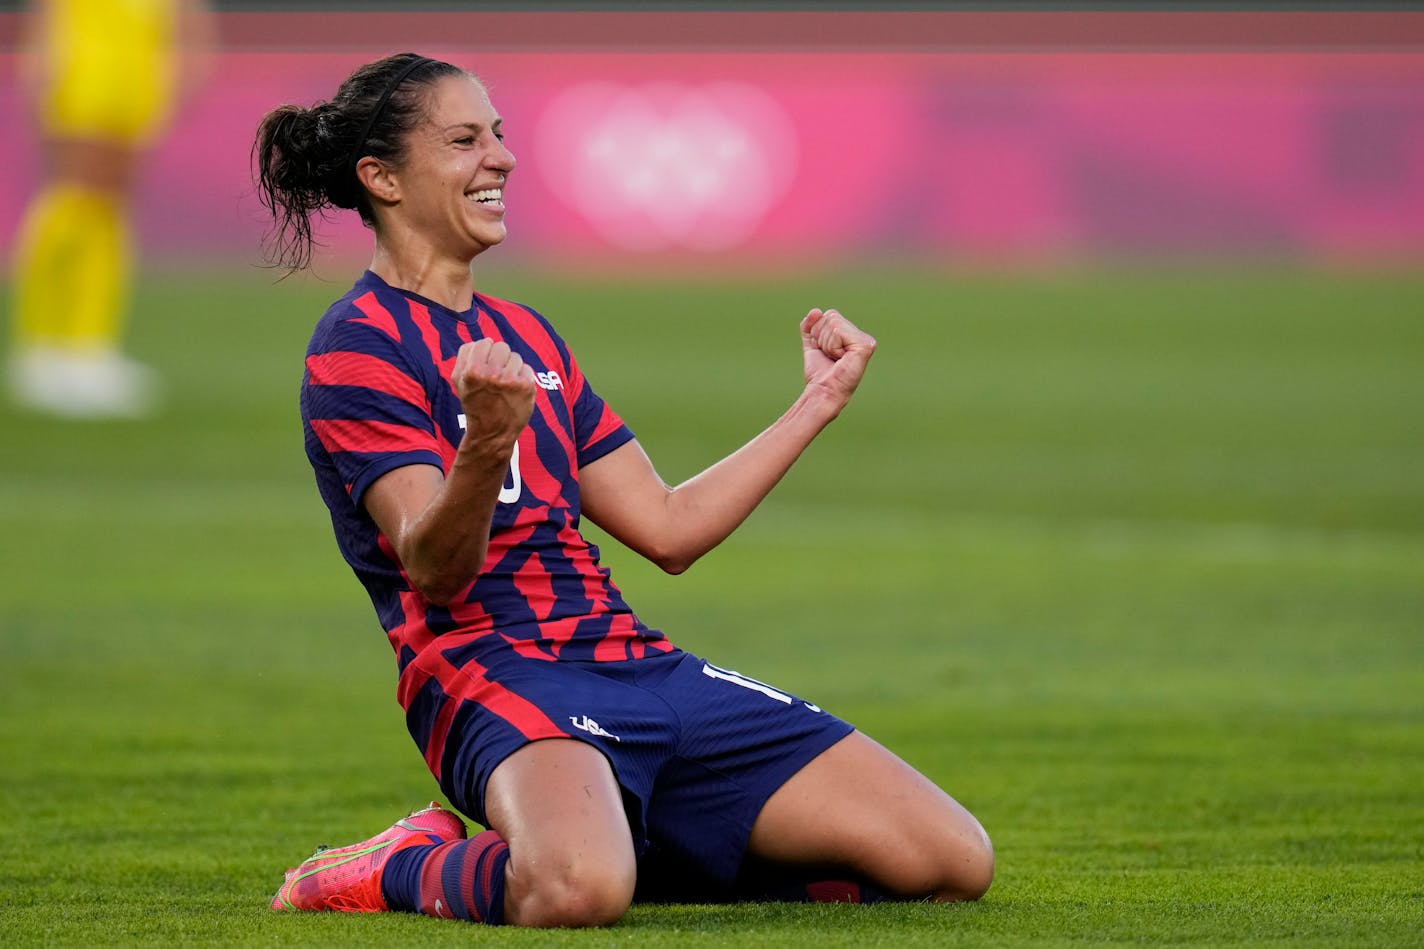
(489, 194)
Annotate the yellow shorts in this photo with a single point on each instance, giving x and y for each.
(109, 68)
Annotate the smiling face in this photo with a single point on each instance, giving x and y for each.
(450, 184)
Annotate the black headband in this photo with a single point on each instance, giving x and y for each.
(391, 87)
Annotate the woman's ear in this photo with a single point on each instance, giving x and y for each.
(377, 179)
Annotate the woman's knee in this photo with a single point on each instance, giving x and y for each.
(965, 864)
(571, 854)
(971, 871)
(950, 863)
(571, 893)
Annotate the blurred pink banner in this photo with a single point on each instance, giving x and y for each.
(825, 155)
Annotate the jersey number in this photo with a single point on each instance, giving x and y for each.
(513, 484)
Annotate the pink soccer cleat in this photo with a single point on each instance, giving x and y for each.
(348, 879)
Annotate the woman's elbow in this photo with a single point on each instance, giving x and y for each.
(672, 559)
(437, 596)
(672, 566)
(439, 590)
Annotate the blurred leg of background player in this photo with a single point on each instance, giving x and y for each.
(103, 76)
(71, 279)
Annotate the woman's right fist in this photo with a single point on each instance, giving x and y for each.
(495, 386)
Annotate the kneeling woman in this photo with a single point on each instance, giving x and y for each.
(457, 443)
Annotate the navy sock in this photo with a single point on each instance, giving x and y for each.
(461, 879)
(400, 880)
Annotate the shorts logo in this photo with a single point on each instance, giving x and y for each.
(587, 724)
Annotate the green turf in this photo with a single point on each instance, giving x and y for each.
(1131, 563)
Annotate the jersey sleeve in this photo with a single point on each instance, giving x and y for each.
(365, 406)
(597, 428)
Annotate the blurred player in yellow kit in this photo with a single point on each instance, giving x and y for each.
(104, 76)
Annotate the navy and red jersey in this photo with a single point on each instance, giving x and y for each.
(376, 395)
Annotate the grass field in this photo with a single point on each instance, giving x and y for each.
(1131, 563)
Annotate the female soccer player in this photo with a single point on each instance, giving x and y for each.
(457, 443)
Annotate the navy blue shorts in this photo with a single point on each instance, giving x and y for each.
(697, 750)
